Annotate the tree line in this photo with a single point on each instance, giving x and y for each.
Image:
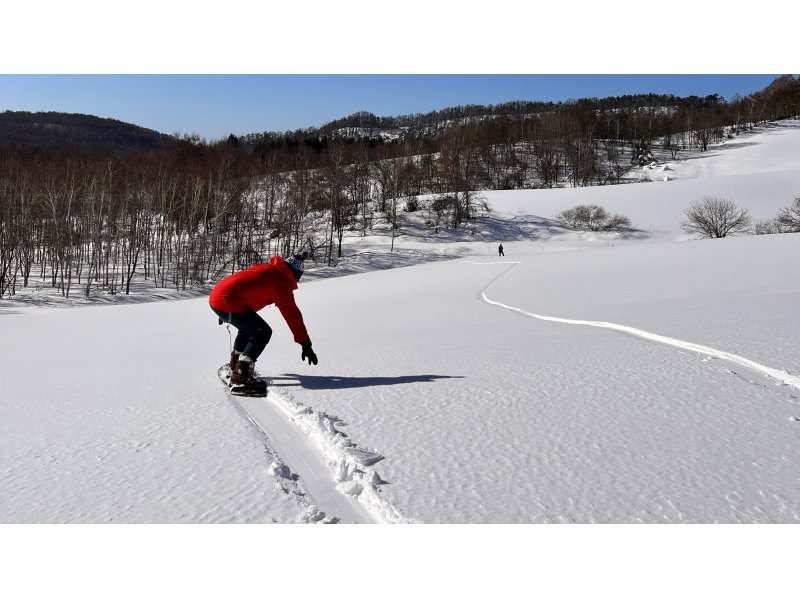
(83, 219)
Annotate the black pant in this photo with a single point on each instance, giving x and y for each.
(254, 332)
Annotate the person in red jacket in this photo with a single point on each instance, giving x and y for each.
(237, 298)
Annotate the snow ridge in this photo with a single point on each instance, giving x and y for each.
(351, 465)
(782, 376)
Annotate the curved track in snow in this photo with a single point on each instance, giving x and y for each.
(781, 376)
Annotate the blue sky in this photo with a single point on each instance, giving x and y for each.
(215, 106)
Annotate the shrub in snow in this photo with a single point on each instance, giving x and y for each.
(766, 227)
(715, 217)
(642, 155)
(594, 218)
(788, 219)
(412, 204)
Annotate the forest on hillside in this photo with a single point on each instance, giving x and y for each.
(88, 218)
(35, 129)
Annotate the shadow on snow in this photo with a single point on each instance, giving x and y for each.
(338, 382)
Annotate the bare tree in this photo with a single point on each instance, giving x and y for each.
(715, 217)
(459, 169)
(335, 179)
(391, 174)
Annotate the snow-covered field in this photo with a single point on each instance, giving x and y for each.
(582, 378)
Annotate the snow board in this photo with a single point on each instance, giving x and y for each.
(224, 374)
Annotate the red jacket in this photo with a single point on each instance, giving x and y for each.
(259, 286)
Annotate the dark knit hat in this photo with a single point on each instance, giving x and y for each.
(297, 263)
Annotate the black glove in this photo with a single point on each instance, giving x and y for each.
(308, 352)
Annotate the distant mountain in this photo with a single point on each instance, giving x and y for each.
(31, 129)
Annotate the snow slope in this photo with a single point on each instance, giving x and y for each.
(464, 390)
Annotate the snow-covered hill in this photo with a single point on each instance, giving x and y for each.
(580, 378)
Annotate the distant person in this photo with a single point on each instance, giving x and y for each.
(237, 298)
(500, 250)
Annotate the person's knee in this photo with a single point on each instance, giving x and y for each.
(263, 334)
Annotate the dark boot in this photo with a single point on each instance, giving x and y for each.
(234, 361)
(242, 375)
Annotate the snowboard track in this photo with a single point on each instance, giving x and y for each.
(331, 476)
(285, 479)
(783, 377)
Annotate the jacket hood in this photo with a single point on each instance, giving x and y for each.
(281, 265)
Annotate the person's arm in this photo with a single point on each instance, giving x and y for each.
(291, 313)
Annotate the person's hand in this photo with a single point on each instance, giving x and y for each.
(308, 352)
